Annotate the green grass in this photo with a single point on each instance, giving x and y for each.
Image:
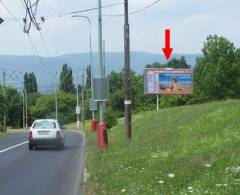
(3, 134)
(74, 126)
(184, 150)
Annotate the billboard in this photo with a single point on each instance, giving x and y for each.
(168, 81)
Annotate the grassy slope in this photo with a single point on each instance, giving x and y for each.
(198, 145)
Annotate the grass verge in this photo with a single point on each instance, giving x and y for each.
(183, 150)
(3, 134)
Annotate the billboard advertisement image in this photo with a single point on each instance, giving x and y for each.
(168, 81)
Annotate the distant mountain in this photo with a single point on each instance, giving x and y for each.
(45, 69)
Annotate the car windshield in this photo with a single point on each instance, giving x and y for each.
(44, 125)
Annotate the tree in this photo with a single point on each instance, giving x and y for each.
(12, 105)
(178, 63)
(66, 80)
(88, 78)
(30, 83)
(156, 65)
(45, 107)
(1, 105)
(216, 75)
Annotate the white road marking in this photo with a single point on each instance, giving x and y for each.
(6, 149)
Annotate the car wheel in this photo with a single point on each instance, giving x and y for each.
(30, 147)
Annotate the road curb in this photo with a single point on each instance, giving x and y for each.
(81, 178)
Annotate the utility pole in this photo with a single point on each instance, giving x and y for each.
(83, 120)
(100, 50)
(127, 75)
(104, 68)
(104, 58)
(5, 103)
(102, 140)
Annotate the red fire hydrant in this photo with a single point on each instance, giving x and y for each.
(102, 139)
(94, 125)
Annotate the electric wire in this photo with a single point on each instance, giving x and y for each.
(69, 13)
(133, 12)
(28, 36)
(46, 48)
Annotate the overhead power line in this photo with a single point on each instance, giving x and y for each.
(46, 48)
(28, 36)
(42, 18)
(30, 16)
(134, 12)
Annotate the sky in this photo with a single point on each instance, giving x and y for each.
(190, 21)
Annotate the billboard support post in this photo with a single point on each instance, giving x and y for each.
(157, 102)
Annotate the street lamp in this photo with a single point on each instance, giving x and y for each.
(77, 108)
(91, 56)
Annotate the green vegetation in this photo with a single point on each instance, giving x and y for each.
(216, 77)
(45, 107)
(181, 150)
(12, 104)
(66, 80)
(217, 73)
(3, 134)
(30, 83)
(74, 126)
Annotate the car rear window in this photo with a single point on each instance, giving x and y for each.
(44, 125)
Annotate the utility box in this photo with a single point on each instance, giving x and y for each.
(92, 105)
(101, 89)
(78, 110)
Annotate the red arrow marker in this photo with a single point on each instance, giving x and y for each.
(167, 50)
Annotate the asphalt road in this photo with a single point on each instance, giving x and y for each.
(41, 172)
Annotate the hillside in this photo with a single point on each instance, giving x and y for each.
(183, 150)
(114, 62)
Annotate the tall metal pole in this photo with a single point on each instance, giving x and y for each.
(91, 59)
(78, 122)
(104, 58)
(5, 103)
(157, 102)
(127, 76)
(83, 120)
(100, 50)
(104, 68)
(91, 55)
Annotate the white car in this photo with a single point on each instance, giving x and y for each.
(45, 132)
